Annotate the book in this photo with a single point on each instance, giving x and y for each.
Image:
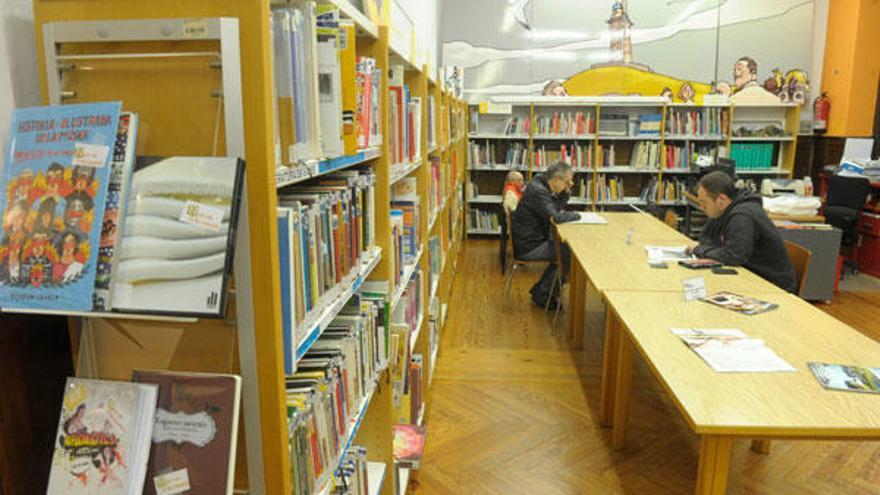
(409, 445)
(740, 304)
(103, 439)
(731, 350)
(348, 74)
(179, 238)
(114, 209)
(195, 432)
(57, 166)
(329, 80)
(847, 377)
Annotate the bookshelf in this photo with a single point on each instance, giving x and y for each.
(249, 340)
(624, 151)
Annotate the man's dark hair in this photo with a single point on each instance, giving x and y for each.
(753, 66)
(558, 169)
(718, 182)
(56, 167)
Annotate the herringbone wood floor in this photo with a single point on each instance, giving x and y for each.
(513, 411)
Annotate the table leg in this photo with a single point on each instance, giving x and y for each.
(714, 465)
(609, 367)
(577, 301)
(622, 384)
(761, 445)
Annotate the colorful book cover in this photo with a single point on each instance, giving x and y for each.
(55, 177)
(409, 444)
(740, 304)
(114, 208)
(195, 433)
(179, 238)
(103, 438)
(847, 377)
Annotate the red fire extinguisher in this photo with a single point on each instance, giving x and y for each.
(821, 109)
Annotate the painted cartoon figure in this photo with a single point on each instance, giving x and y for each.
(667, 93)
(745, 73)
(722, 88)
(10, 259)
(39, 257)
(23, 190)
(46, 216)
(795, 87)
(77, 213)
(554, 88)
(686, 93)
(70, 260)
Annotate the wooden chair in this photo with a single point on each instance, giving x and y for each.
(671, 219)
(800, 258)
(512, 262)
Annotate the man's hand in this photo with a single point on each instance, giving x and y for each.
(690, 249)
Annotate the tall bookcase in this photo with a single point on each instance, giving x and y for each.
(607, 135)
(200, 74)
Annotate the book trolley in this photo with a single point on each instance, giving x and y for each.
(200, 76)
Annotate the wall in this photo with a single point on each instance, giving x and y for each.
(517, 46)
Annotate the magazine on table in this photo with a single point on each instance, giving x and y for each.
(730, 350)
(740, 304)
(847, 377)
(658, 254)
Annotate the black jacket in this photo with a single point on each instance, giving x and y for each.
(745, 235)
(531, 219)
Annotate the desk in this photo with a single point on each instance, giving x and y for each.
(721, 407)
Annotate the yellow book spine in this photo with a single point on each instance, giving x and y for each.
(348, 68)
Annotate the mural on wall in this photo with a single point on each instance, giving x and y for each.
(684, 49)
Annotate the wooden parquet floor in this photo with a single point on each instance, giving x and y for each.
(513, 410)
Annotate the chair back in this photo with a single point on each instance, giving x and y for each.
(507, 241)
(850, 192)
(800, 258)
(671, 219)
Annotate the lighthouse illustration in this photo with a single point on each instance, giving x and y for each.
(618, 27)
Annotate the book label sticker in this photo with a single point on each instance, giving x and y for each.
(195, 28)
(198, 429)
(172, 483)
(90, 155)
(200, 214)
(694, 288)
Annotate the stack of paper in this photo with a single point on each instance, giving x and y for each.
(590, 218)
(731, 350)
(658, 254)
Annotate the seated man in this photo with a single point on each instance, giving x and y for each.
(543, 199)
(739, 232)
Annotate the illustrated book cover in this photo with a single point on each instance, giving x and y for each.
(847, 377)
(195, 433)
(103, 438)
(57, 165)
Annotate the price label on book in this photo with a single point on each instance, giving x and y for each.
(90, 155)
(172, 483)
(694, 288)
(202, 215)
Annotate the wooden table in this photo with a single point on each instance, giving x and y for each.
(720, 407)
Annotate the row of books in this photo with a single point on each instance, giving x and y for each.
(705, 122)
(518, 125)
(324, 228)
(565, 124)
(621, 125)
(405, 226)
(483, 220)
(432, 119)
(405, 111)
(87, 225)
(645, 154)
(664, 190)
(435, 260)
(330, 387)
(406, 317)
(579, 156)
(164, 432)
(353, 478)
(327, 97)
(515, 154)
(752, 156)
(680, 157)
(437, 187)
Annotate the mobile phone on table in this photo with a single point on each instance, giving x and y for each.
(720, 270)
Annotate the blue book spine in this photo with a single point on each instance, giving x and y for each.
(57, 167)
(285, 263)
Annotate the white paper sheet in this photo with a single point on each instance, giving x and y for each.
(589, 218)
(730, 350)
(666, 253)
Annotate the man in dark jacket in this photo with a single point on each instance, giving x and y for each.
(544, 198)
(739, 232)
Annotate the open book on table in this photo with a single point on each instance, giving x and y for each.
(740, 304)
(589, 218)
(731, 350)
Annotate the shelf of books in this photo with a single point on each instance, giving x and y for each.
(198, 204)
(623, 150)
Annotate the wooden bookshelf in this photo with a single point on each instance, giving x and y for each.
(489, 177)
(249, 341)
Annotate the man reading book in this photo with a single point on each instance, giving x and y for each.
(545, 198)
(739, 232)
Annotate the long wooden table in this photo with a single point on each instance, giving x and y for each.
(644, 303)
(721, 407)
